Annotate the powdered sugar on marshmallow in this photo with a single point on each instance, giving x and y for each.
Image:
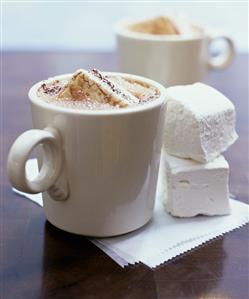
(200, 122)
(192, 188)
(97, 86)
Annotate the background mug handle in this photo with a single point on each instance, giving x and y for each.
(222, 60)
(51, 177)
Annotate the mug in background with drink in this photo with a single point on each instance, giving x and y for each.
(171, 53)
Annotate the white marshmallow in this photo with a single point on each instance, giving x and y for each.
(99, 87)
(200, 122)
(191, 188)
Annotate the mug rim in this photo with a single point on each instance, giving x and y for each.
(33, 97)
(120, 30)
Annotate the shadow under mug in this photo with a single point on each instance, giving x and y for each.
(169, 59)
(98, 169)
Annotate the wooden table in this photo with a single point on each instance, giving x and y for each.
(40, 261)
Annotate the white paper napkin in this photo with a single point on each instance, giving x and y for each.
(164, 237)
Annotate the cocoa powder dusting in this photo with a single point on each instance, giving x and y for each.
(50, 90)
(75, 97)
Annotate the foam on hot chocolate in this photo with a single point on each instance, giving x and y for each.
(95, 90)
(159, 25)
(164, 25)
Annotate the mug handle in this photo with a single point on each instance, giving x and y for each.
(222, 60)
(49, 178)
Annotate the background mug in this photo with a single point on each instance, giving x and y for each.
(169, 59)
(98, 169)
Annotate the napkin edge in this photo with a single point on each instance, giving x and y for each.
(219, 235)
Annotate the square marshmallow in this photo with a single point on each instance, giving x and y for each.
(192, 188)
(199, 123)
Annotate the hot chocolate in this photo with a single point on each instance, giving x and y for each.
(94, 90)
(164, 25)
(159, 25)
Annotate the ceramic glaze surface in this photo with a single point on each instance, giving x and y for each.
(170, 60)
(109, 166)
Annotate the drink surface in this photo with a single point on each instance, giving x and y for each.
(159, 25)
(164, 25)
(93, 90)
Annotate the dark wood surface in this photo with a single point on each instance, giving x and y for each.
(40, 261)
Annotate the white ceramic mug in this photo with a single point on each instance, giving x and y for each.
(169, 59)
(98, 170)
